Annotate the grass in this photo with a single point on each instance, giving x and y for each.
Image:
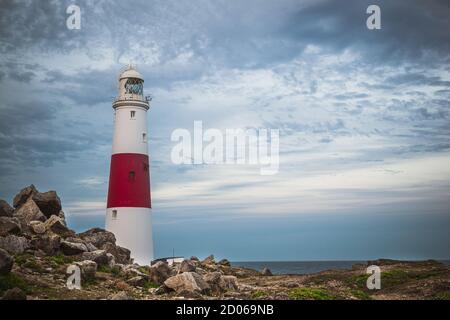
(259, 294)
(12, 280)
(108, 269)
(60, 259)
(361, 295)
(149, 284)
(445, 295)
(310, 294)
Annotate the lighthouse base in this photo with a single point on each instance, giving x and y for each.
(133, 230)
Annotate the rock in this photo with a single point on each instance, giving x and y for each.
(24, 195)
(159, 272)
(48, 202)
(87, 268)
(28, 212)
(56, 225)
(6, 262)
(224, 262)
(111, 260)
(9, 226)
(186, 266)
(132, 271)
(72, 248)
(213, 280)
(49, 244)
(98, 237)
(62, 215)
(209, 260)
(122, 255)
(99, 256)
(162, 290)
(5, 209)
(14, 294)
(14, 244)
(137, 281)
(266, 272)
(90, 247)
(194, 258)
(37, 226)
(189, 281)
(228, 283)
(189, 294)
(121, 296)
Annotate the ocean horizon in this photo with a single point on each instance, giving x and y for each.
(306, 267)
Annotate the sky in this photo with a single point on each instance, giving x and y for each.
(363, 117)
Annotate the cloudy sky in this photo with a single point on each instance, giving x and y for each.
(363, 118)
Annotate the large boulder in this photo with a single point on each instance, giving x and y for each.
(99, 256)
(224, 262)
(220, 283)
(9, 226)
(6, 262)
(98, 237)
(186, 266)
(122, 295)
(57, 225)
(72, 248)
(24, 194)
(14, 244)
(121, 255)
(187, 281)
(28, 212)
(48, 243)
(37, 226)
(48, 202)
(159, 272)
(228, 283)
(209, 260)
(5, 209)
(88, 269)
(266, 272)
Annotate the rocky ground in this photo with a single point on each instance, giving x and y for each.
(37, 247)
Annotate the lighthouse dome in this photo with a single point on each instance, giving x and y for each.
(130, 72)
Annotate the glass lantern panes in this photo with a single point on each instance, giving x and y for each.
(134, 86)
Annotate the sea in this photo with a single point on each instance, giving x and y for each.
(302, 267)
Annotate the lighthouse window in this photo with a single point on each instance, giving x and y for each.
(114, 214)
(131, 176)
(132, 114)
(144, 137)
(134, 86)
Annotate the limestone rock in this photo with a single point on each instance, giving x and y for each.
(6, 262)
(159, 272)
(49, 244)
(99, 256)
(28, 212)
(5, 209)
(137, 281)
(72, 248)
(266, 272)
(98, 237)
(186, 266)
(224, 262)
(14, 244)
(14, 294)
(9, 226)
(122, 255)
(23, 195)
(56, 225)
(189, 281)
(213, 280)
(37, 226)
(87, 268)
(48, 202)
(122, 295)
(209, 260)
(228, 283)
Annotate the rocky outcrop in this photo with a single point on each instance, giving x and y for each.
(98, 256)
(9, 225)
(14, 244)
(88, 269)
(98, 237)
(186, 266)
(48, 202)
(209, 260)
(24, 195)
(5, 209)
(187, 281)
(73, 248)
(6, 262)
(159, 272)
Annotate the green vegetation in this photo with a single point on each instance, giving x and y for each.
(107, 269)
(60, 259)
(33, 265)
(149, 284)
(361, 295)
(21, 258)
(259, 294)
(310, 294)
(445, 295)
(11, 280)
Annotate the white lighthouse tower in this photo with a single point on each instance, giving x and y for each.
(128, 213)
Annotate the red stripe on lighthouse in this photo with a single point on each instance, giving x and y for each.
(129, 181)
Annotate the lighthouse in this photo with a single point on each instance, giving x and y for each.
(128, 213)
